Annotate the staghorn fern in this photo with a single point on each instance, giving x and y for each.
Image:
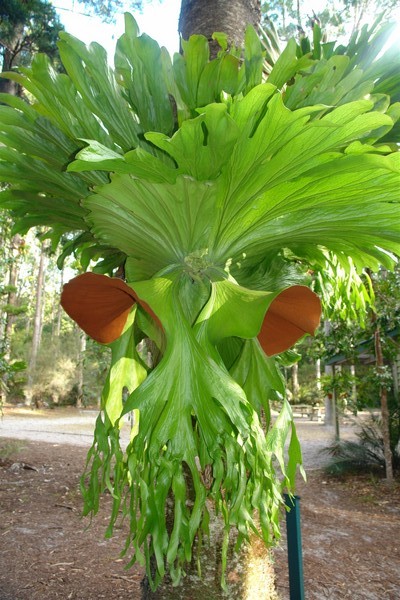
(216, 190)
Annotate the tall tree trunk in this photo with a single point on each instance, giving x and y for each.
(207, 16)
(353, 385)
(379, 361)
(12, 293)
(329, 398)
(318, 375)
(57, 328)
(298, 13)
(335, 404)
(395, 375)
(295, 381)
(81, 357)
(283, 6)
(37, 323)
(384, 405)
(10, 59)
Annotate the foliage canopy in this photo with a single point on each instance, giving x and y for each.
(25, 28)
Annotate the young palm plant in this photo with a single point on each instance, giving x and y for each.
(367, 453)
(216, 191)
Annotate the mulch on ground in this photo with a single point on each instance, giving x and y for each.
(350, 530)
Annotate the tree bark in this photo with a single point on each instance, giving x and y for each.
(384, 407)
(250, 573)
(10, 59)
(208, 16)
(353, 385)
(37, 323)
(379, 362)
(283, 16)
(318, 376)
(298, 13)
(57, 329)
(81, 356)
(295, 381)
(12, 294)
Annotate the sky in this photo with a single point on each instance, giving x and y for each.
(158, 19)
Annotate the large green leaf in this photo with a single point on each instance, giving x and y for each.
(58, 99)
(126, 372)
(259, 376)
(95, 80)
(159, 225)
(139, 64)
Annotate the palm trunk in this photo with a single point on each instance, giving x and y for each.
(250, 574)
(208, 16)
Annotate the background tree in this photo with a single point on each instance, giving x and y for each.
(294, 18)
(40, 288)
(107, 9)
(26, 27)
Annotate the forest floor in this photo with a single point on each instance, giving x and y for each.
(350, 525)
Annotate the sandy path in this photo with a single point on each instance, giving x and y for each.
(75, 427)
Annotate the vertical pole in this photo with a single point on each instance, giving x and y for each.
(295, 557)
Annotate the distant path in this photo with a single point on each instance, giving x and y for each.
(75, 427)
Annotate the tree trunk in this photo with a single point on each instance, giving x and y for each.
(208, 16)
(379, 362)
(353, 385)
(10, 59)
(298, 13)
(12, 293)
(395, 375)
(57, 329)
(6, 85)
(295, 381)
(329, 398)
(318, 381)
(335, 405)
(384, 407)
(283, 17)
(82, 348)
(37, 324)
(250, 573)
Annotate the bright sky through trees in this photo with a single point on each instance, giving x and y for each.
(158, 19)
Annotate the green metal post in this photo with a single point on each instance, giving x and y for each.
(295, 557)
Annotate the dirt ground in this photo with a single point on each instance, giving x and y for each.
(350, 526)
